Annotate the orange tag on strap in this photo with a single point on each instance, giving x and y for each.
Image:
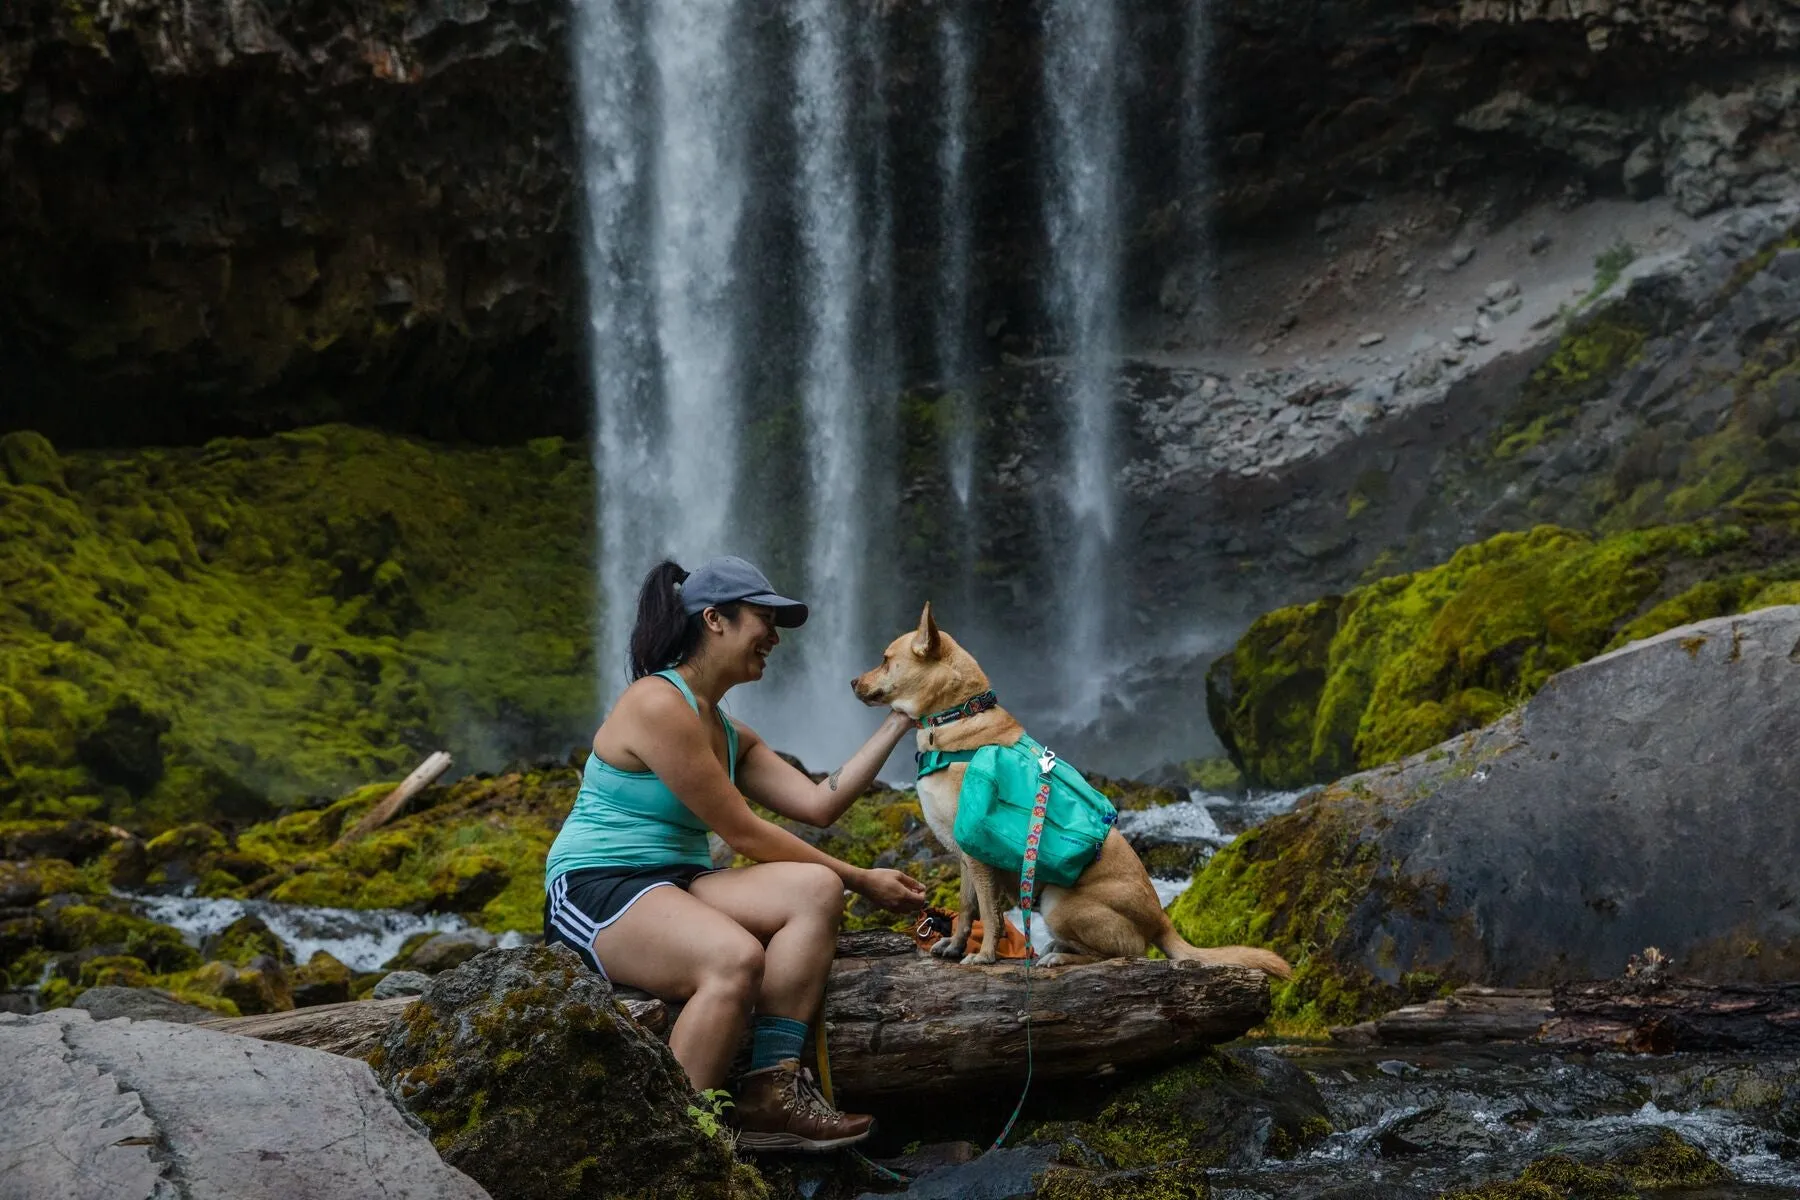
(934, 925)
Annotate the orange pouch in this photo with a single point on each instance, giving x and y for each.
(934, 925)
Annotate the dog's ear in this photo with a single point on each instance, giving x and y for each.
(926, 643)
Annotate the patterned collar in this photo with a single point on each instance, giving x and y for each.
(968, 708)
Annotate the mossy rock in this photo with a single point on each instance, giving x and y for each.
(247, 990)
(1132, 794)
(1175, 1181)
(1226, 1106)
(77, 841)
(534, 1081)
(322, 980)
(245, 940)
(75, 927)
(1655, 1161)
(220, 633)
(1316, 691)
(23, 884)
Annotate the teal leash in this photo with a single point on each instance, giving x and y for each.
(1027, 892)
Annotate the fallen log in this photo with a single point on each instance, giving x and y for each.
(354, 1028)
(1618, 1014)
(390, 806)
(900, 1022)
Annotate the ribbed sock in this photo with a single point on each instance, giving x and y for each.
(776, 1038)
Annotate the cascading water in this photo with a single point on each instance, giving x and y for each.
(1081, 214)
(746, 348)
(955, 241)
(831, 389)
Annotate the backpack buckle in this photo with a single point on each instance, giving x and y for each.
(1046, 761)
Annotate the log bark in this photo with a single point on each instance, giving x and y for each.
(899, 1022)
(391, 805)
(355, 1028)
(1620, 1014)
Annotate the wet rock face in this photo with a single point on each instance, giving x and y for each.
(281, 214)
(533, 1079)
(285, 212)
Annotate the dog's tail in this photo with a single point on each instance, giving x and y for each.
(1176, 946)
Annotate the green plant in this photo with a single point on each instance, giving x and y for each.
(709, 1114)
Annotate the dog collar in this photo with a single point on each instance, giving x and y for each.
(974, 704)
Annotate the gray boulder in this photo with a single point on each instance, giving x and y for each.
(1644, 798)
(139, 1004)
(144, 1110)
(446, 950)
(400, 983)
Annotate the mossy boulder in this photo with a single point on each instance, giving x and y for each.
(106, 925)
(1631, 802)
(244, 941)
(77, 841)
(532, 1078)
(220, 633)
(321, 980)
(1626, 1166)
(25, 883)
(1227, 1108)
(1315, 691)
(1175, 1181)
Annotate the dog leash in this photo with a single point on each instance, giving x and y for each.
(1027, 896)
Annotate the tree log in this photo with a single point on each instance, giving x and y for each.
(900, 1022)
(355, 1028)
(1618, 1014)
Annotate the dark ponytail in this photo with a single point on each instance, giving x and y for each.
(663, 635)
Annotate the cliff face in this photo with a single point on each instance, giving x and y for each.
(233, 216)
(227, 216)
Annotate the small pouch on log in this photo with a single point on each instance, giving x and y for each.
(934, 926)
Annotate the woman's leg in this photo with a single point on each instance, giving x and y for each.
(670, 944)
(793, 909)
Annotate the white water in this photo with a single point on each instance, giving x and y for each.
(698, 190)
(361, 939)
(955, 240)
(1081, 214)
(830, 389)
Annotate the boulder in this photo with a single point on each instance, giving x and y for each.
(1640, 799)
(533, 1079)
(400, 983)
(442, 951)
(136, 1110)
(139, 1004)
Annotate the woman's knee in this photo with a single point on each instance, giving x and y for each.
(736, 966)
(820, 889)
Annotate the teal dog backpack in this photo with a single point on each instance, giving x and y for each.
(999, 792)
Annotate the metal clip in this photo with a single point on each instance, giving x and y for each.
(1046, 761)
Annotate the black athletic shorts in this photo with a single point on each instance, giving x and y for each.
(580, 904)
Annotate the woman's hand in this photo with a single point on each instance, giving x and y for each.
(893, 890)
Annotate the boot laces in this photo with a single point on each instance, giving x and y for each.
(806, 1095)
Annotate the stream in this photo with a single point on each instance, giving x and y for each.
(1416, 1123)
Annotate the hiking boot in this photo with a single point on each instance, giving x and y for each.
(779, 1108)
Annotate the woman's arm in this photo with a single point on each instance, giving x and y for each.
(771, 780)
(670, 739)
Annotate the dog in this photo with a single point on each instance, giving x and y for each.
(1112, 910)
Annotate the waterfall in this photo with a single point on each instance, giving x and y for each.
(955, 241)
(699, 190)
(628, 426)
(831, 389)
(1081, 215)
(742, 200)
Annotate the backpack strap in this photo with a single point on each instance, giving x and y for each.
(930, 762)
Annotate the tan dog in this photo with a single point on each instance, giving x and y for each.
(1112, 910)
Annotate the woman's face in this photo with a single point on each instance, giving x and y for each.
(743, 645)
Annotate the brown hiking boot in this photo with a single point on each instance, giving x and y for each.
(779, 1108)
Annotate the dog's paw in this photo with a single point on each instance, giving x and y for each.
(1053, 959)
(948, 948)
(979, 959)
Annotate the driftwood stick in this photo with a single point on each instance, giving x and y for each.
(899, 1022)
(391, 805)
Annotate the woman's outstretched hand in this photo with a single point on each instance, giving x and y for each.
(893, 890)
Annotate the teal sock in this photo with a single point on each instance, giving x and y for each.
(776, 1038)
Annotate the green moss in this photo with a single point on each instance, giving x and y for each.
(1668, 1162)
(208, 632)
(1401, 664)
(79, 926)
(1176, 1181)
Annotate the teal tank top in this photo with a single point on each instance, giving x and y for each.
(631, 818)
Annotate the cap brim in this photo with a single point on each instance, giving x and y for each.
(789, 614)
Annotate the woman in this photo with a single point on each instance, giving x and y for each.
(630, 880)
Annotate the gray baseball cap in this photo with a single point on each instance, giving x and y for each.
(722, 580)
